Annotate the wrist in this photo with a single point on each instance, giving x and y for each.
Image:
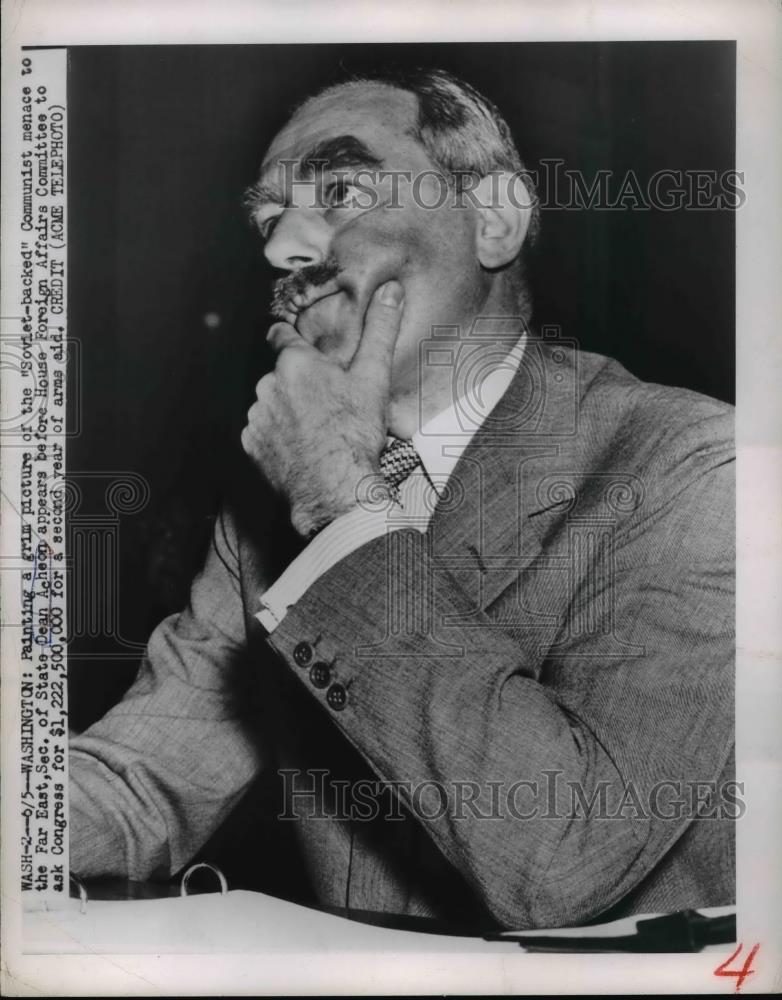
(337, 493)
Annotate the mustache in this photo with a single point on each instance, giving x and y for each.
(300, 282)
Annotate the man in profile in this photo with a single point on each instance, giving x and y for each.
(491, 637)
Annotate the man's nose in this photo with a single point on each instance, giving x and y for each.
(300, 238)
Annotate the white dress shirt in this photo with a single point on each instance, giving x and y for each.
(439, 444)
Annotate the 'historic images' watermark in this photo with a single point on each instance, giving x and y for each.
(316, 794)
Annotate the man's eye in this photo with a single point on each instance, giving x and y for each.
(339, 194)
(266, 228)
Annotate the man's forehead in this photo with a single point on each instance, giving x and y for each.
(374, 113)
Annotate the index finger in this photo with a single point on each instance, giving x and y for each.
(375, 351)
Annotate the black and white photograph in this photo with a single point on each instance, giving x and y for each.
(370, 512)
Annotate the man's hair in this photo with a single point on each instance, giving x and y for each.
(464, 135)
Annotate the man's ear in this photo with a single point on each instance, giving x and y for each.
(504, 207)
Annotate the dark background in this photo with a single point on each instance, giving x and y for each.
(168, 286)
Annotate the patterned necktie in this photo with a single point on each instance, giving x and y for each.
(397, 461)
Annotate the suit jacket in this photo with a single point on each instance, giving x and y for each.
(543, 679)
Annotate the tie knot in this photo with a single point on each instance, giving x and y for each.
(397, 461)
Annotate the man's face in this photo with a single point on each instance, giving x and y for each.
(338, 243)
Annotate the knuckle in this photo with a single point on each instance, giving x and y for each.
(264, 386)
(255, 416)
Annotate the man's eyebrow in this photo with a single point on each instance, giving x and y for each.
(337, 153)
(257, 195)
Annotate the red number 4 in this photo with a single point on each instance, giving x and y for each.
(742, 973)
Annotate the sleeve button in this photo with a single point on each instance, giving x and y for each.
(302, 654)
(336, 697)
(320, 675)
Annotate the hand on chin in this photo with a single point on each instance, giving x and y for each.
(318, 426)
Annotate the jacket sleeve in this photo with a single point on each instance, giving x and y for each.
(571, 760)
(158, 773)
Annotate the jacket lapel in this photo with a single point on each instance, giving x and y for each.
(503, 499)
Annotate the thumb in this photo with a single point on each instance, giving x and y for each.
(375, 352)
